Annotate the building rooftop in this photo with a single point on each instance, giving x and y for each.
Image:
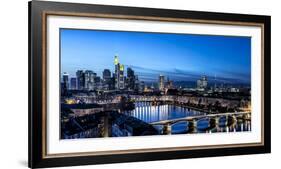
(81, 106)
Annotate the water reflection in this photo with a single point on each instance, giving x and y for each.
(145, 111)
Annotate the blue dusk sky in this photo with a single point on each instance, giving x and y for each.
(181, 57)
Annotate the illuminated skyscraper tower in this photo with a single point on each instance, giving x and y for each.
(119, 74)
(116, 61)
(121, 78)
(161, 84)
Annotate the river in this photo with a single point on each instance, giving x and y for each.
(148, 113)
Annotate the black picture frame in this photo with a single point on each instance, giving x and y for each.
(37, 65)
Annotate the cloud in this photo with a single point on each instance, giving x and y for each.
(147, 74)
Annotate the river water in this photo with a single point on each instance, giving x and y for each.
(145, 111)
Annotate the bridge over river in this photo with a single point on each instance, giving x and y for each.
(231, 118)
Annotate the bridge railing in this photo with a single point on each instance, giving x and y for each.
(189, 118)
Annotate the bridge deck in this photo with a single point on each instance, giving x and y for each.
(196, 117)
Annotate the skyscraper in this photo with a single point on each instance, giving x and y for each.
(80, 79)
(121, 77)
(169, 84)
(97, 82)
(90, 80)
(65, 79)
(130, 79)
(73, 83)
(161, 83)
(107, 80)
(64, 84)
(119, 74)
(202, 83)
(113, 81)
(106, 74)
(141, 86)
(137, 82)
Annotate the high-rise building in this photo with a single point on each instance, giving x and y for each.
(107, 80)
(130, 79)
(141, 86)
(97, 79)
(121, 77)
(90, 80)
(161, 83)
(202, 83)
(106, 74)
(73, 83)
(65, 80)
(98, 83)
(113, 81)
(119, 74)
(169, 84)
(137, 82)
(80, 79)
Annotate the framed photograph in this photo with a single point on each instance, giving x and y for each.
(110, 84)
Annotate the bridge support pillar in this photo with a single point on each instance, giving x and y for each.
(231, 119)
(192, 126)
(246, 117)
(214, 122)
(234, 118)
(167, 129)
(240, 119)
(226, 120)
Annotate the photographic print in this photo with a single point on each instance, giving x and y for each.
(110, 84)
(126, 83)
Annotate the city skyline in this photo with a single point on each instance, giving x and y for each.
(178, 62)
(121, 84)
